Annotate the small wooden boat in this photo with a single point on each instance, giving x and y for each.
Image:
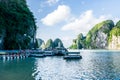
(73, 55)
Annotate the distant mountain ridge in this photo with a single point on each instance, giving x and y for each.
(50, 44)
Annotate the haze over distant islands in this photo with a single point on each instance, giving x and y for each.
(65, 19)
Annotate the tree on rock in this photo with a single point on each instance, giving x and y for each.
(57, 43)
(18, 27)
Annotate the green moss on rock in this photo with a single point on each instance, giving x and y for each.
(115, 31)
(103, 27)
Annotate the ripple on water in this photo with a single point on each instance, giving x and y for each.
(93, 66)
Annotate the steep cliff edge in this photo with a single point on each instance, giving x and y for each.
(50, 44)
(39, 44)
(78, 43)
(17, 25)
(114, 37)
(97, 37)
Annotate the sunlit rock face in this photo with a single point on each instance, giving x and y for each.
(115, 43)
(101, 40)
(49, 44)
(97, 37)
(114, 37)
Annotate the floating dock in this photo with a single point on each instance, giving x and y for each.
(73, 55)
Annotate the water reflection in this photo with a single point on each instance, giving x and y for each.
(92, 66)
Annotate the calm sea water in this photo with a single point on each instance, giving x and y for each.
(100, 65)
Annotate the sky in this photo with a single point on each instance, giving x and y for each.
(65, 19)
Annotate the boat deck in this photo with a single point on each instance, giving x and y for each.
(73, 55)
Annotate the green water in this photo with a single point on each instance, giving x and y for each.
(100, 65)
(21, 69)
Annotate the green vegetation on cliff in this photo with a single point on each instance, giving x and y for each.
(53, 44)
(39, 43)
(115, 31)
(97, 27)
(97, 33)
(118, 24)
(78, 43)
(74, 44)
(17, 25)
(49, 44)
(57, 43)
(97, 37)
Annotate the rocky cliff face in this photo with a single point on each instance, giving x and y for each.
(78, 43)
(97, 37)
(2, 36)
(114, 43)
(40, 43)
(57, 43)
(53, 44)
(49, 44)
(114, 37)
(17, 25)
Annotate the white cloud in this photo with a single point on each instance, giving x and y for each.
(51, 2)
(47, 3)
(85, 22)
(58, 15)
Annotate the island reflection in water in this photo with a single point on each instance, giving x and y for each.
(93, 65)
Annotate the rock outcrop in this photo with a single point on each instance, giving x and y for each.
(50, 44)
(102, 36)
(40, 43)
(78, 43)
(114, 37)
(97, 37)
(57, 43)
(17, 25)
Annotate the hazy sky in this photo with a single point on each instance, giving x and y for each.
(65, 19)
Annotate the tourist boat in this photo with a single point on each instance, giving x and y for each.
(37, 54)
(48, 53)
(73, 55)
(60, 51)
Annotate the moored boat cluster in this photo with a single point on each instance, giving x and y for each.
(19, 54)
